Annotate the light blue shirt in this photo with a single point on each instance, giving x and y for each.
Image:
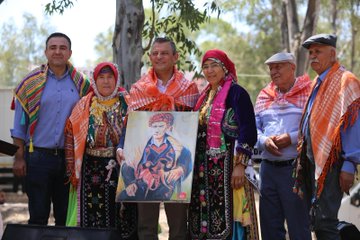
(276, 120)
(351, 147)
(57, 101)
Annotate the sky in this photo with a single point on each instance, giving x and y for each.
(81, 23)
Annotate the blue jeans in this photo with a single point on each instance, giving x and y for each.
(45, 184)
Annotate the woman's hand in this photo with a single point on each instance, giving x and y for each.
(120, 155)
(238, 176)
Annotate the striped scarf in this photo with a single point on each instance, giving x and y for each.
(29, 91)
(297, 95)
(144, 93)
(339, 89)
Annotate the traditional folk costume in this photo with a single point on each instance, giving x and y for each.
(226, 127)
(93, 132)
(180, 94)
(29, 91)
(320, 146)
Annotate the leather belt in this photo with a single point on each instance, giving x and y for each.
(52, 151)
(279, 163)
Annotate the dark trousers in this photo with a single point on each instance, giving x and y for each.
(45, 184)
(327, 206)
(278, 203)
(148, 218)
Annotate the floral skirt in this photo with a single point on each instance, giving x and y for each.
(98, 208)
(211, 207)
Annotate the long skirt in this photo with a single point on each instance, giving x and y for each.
(98, 208)
(211, 206)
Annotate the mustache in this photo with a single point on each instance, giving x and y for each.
(313, 61)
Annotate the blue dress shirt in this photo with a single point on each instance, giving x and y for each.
(57, 101)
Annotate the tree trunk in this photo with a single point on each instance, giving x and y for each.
(310, 21)
(127, 40)
(284, 27)
(293, 24)
(333, 15)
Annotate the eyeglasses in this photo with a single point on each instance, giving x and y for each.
(207, 67)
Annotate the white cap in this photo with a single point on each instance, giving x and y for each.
(281, 57)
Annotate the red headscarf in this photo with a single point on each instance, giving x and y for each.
(105, 64)
(221, 56)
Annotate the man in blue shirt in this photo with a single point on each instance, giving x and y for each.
(44, 100)
(278, 112)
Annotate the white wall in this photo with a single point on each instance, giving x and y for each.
(6, 115)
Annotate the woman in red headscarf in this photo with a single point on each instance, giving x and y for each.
(222, 200)
(93, 132)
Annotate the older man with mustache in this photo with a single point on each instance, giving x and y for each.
(326, 165)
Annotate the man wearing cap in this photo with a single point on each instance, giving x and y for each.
(325, 167)
(278, 112)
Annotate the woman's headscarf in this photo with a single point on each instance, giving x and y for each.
(101, 68)
(216, 54)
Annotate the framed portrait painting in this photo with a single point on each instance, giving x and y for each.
(159, 152)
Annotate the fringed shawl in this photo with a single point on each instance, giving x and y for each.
(76, 130)
(29, 91)
(339, 89)
(297, 95)
(180, 92)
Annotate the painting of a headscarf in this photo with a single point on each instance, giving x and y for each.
(159, 154)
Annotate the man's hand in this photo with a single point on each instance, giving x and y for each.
(282, 141)
(19, 167)
(238, 176)
(175, 174)
(346, 181)
(271, 146)
(131, 190)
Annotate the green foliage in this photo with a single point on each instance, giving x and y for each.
(103, 46)
(58, 6)
(174, 19)
(21, 49)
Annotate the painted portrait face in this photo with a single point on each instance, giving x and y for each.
(159, 129)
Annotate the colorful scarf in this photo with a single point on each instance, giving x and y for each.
(297, 95)
(214, 133)
(180, 92)
(76, 130)
(338, 90)
(29, 91)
